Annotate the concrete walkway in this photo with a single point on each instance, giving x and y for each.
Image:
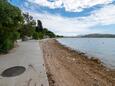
(29, 55)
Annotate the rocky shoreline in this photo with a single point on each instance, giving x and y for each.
(67, 67)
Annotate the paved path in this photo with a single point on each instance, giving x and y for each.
(29, 55)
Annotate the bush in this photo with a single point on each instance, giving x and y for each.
(35, 35)
(10, 20)
(7, 45)
(15, 35)
(40, 35)
(48, 33)
(28, 29)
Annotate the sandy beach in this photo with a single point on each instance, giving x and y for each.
(66, 67)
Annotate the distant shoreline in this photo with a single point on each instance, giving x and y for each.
(87, 37)
(95, 35)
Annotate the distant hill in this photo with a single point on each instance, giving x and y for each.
(97, 36)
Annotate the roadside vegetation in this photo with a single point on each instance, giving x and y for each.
(10, 20)
(17, 25)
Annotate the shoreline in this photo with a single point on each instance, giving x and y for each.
(71, 60)
(92, 58)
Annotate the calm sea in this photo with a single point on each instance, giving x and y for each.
(102, 48)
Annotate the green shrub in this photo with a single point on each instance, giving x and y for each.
(40, 35)
(15, 35)
(10, 20)
(35, 35)
(28, 28)
(7, 45)
(48, 33)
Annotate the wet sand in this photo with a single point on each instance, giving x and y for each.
(66, 67)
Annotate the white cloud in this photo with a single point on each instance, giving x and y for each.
(70, 5)
(61, 25)
(74, 26)
(104, 16)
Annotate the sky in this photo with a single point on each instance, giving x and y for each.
(72, 17)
